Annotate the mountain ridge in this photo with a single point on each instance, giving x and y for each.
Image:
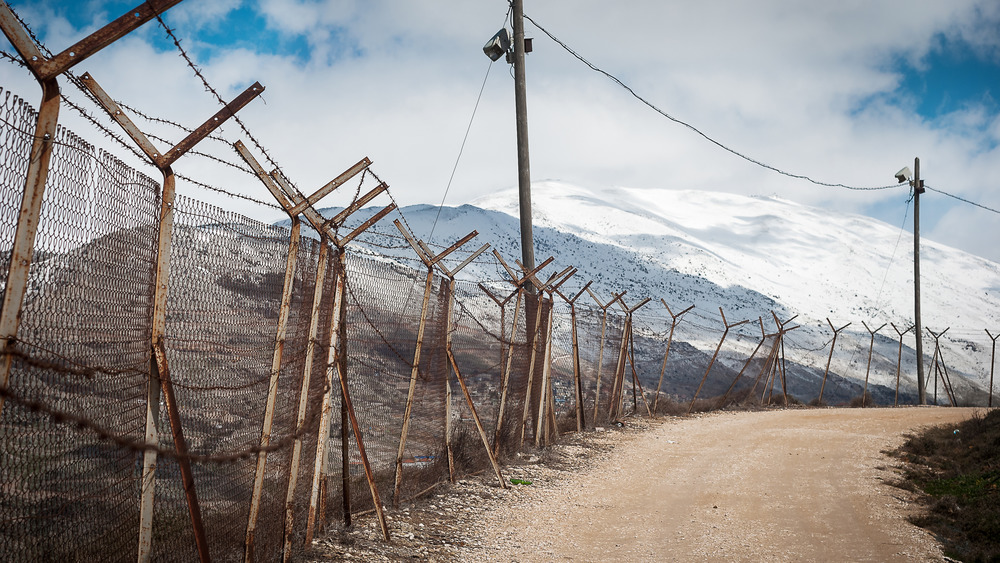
(750, 256)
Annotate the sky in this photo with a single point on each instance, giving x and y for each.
(841, 92)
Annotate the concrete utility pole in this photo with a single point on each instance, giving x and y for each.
(523, 168)
(918, 188)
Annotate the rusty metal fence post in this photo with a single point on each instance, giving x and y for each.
(899, 360)
(674, 319)
(871, 348)
(833, 344)
(714, 356)
(577, 384)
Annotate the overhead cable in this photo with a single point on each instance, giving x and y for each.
(695, 129)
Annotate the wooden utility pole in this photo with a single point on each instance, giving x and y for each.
(523, 168)
(918, 188)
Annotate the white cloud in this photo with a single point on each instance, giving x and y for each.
(806, 87)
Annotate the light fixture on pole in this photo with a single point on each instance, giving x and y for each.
(498, 45)
(917, 184)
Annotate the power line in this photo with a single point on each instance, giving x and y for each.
(962, 199)
(460, 151)
(695, 129)
(888, 266)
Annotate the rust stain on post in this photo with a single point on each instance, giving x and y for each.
(272, 394)
(413, 386)
(293, 468)
(319, 469)
(505, 382)
(23, 248)
(475, 417)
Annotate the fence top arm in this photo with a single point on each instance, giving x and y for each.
(413, 244)
(342, 242)
(471, 257)
(578, 293)
(332, 185)
(458, 244)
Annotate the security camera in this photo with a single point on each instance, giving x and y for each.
(904, 175)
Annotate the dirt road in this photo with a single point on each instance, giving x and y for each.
(794, 485)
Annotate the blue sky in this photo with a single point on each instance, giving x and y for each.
(845, 92)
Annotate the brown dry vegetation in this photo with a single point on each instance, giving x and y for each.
(957, 468)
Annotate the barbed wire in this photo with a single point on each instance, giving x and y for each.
(13, 58)
(132, 110)
(202, 154)
(140, 446)
(210, 187)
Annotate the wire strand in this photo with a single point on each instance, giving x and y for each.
(460, 151)
(695, 129)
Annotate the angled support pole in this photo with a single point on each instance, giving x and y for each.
(429, 261)
(871, 348)
(458, 374)
(509, 355)
(714, 356)
(449, 328)
(781, 343)
(993, 361)
(578, 386)
(546, 420)
(159, 371)
(674, 319)
(600, 352)
(746, 364)
(899, 359)
(833, 344)
(941, 368)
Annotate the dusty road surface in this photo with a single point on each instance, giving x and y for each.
(791, 485)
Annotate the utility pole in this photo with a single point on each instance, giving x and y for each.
(918, 188)
(523, 168)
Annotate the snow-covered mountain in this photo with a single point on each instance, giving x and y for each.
(751, 256)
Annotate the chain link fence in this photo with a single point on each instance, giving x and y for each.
(73, 424)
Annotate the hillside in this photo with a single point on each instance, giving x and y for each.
(750, 256)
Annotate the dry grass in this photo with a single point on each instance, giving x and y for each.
(957, 467)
